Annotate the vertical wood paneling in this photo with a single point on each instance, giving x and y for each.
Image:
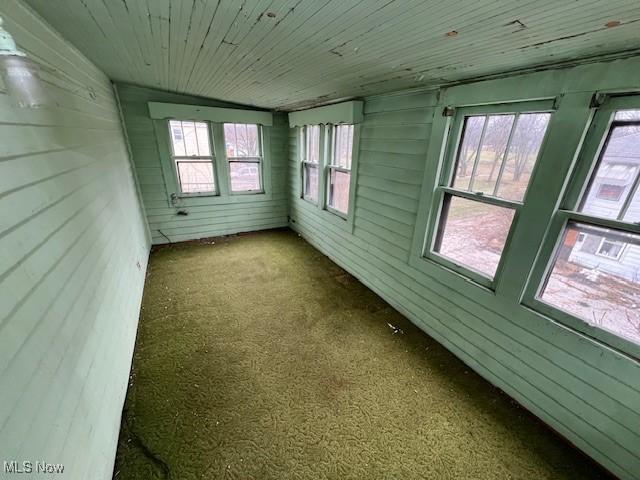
(584, 390)
(73, 253)
(207, 216)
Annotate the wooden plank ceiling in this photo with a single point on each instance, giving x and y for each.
(287, 54)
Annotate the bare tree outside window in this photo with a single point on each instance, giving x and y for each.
(243, 147)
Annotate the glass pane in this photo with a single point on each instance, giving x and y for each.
(253, 141)
(596, 277)
(230, 140)
(177, 138)
(339, 190)
(242, 138)
(522, 155)
(313, 143)
(473, 233)
(202, 132)
(611, 184)
(190, 138)
(245, 176)
(310, 191)
(195, 176)
(628, 115)
(343, 147)
(494, 144)
(467, 153)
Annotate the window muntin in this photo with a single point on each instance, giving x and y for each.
(498, 152)
(310, 158)
(598, 279)
(492, 165)
(618, 168)
(192, 156)
(339, 178)
(593, 280)
(243, 146)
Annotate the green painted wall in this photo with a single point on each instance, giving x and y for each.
(73, 254)
(586, 391)
(208, 216)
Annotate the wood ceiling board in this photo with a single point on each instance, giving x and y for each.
(313, 51)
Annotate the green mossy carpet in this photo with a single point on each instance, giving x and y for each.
(259, 358)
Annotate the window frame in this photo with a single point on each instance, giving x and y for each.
(175, 159)
(258, 160)
(579, 182)
(331, 166)
(304, 161)
(223, 195)
(443, 188)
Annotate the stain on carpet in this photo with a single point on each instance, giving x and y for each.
(259, 358)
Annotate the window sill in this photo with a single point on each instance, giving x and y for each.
(192, 200)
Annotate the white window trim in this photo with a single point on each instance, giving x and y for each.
(604, 255)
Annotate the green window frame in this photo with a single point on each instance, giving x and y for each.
(223, 193)
(447, 192)
(569, 216)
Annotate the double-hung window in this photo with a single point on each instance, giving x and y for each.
(310, 159)
(593, 279)
(491, 155)
(191, 153)
(339, 169)
(243, 146)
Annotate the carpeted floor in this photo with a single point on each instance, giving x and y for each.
(259, 358)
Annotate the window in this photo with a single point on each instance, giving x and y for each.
(340, 169)
(243, 145)
(613, 193)
(310, 157)
(486, 177)
(597, 279)
(610, 248)
(191, 154)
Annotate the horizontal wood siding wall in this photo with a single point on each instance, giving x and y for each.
(73, 254)
(584, 390)
(206, 218)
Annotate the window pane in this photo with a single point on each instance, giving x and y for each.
(596, 277)
(343, 146)
(202, 132)
(245, 176)
(230, 139)
(628, 115)
(473, 233)
(492, 151)
(313, 143)
(177, 138)
(195, 176)
(190, 138)
(483, 150)
(310, 182)
(522, 155)
(339, 190)
(467, 153)
(242, 140)
(253, 142)
(611, 184)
